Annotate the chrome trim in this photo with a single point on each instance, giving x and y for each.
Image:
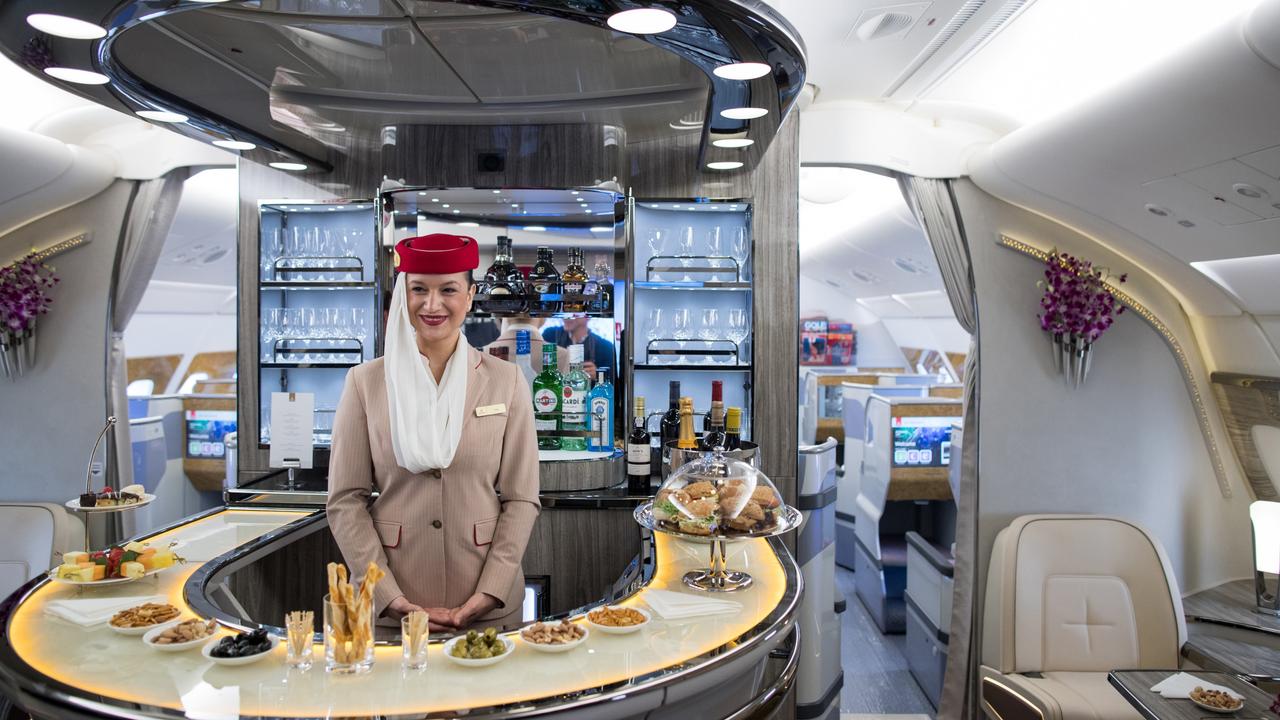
(19, 680)
(767, 702)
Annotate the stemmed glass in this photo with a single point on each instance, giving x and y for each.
(681, 322)
(740, 250)
(738, 328)
(657, 240)
(271, 332)
(271, 252)
(714, 249)
(710, 331)
(654, 329)
(686, 249)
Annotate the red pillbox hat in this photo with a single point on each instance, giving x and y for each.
(436, 254)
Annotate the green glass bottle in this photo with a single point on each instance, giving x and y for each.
(547, 387)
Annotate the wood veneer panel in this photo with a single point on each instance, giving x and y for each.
(583, 552)
(157, 368)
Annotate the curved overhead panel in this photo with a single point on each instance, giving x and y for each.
(312, 80)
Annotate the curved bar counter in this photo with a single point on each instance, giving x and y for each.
(711, 666)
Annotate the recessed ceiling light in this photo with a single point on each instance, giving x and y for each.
(288, 166)
(445, 205)
(1159, 211)
(65, 27)
(423, 192)
(1250, 191)
(332, 209)
(455, 212)
(535, 228)
(733, 207)
(733, 142)
(601, 229)
(497, 192)
(163, 116)
(589, 212)
(515, 204)
(642, 21)
(742, 71)
(234, 144)
(744, 113)
(468, 224)
(435, 199)
(724, 165)
(675, 207)
(573, 192)
(77, 76)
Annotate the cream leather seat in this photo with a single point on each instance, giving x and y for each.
(1069, 598)
(35, 535)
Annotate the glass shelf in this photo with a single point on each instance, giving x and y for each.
(315, 285)
(301, 365)
(710, 367)
(693, 285)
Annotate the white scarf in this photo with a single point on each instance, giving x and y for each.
(426, 418)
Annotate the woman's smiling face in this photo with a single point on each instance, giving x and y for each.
(438, 304)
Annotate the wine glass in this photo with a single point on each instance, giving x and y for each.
(710, 331)
(685, 246)
(271, 331)
(738, 328)
(657, 240)
(653, 330)
(714, 249)
(740, 250)
(273, 248)
(681, 322)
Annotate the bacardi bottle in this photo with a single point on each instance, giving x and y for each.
(573, 401)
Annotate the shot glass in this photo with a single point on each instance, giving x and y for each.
(414, 634)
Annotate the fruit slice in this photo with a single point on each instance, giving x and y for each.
(162, 559)
(135, 546)
(132, 570)
(85, 574)
(99, 572)
(75, 557)
(68, 571)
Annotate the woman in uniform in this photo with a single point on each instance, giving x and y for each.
(445, 435)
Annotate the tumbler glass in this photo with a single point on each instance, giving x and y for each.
(348, 637)
(300, 629)
(413, 640)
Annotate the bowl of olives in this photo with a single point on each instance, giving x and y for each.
(240, 649)
(478, 649)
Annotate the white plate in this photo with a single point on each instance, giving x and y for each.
(135, 631)
(104, 582)
(208, 647)
(563, 647)
(153, 633)
(1223, 711)
(622, 630)
(74, 504)
(468, 662)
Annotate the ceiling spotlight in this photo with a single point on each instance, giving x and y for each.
(642, 21)
(455, 212)
(724, 165)
(163, 116)
(424, 192)
(573, 192)
(234, 144)
(65, 27)
(1250, 191)
(535, 228)
(79, 77)
(733, 207)
(445, 205)
(744, 113)
(497, 192)
(515, 204)
(288, 166)
(1158, 211)
(468, 224)
(733, 143)
(601, 229)
(742, 71)
(435, 199)
(589, 212)
(333, 209)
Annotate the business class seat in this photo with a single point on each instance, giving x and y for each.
(1070, 598)
(36, 534)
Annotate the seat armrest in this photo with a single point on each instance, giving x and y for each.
(940, 562)
(1010, 697)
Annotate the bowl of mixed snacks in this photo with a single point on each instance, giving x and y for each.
(141, 619)
(478, 649)
(1218, 701)
(180, 636)
(617, 620)
(554, 637)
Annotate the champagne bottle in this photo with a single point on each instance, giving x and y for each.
(547, 387)
(638, 457)
(733, 430)
(687, 441)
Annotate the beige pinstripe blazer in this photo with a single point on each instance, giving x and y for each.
(444, 534)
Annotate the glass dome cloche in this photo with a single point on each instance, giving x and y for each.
(718, 498)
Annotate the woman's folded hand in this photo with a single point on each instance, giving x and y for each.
(475, 606)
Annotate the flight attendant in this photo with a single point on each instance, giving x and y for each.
(445, 434)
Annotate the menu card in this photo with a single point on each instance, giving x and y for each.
(292, 422)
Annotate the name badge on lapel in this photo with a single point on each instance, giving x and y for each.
(487, 410)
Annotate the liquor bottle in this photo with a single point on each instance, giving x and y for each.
(503, 282)
(546, 399)
(669, 426)
(639, 459)
(714, 437)
(524, 357)
(600, 405)
(544, 278)
(733, 429)
(717, 393)
(687, 440)
(573, 401)
(602, 285)
(574, 282)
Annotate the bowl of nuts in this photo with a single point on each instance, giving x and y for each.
(615, 620)
(182, 636)
(1219, 701)
(554, 637)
